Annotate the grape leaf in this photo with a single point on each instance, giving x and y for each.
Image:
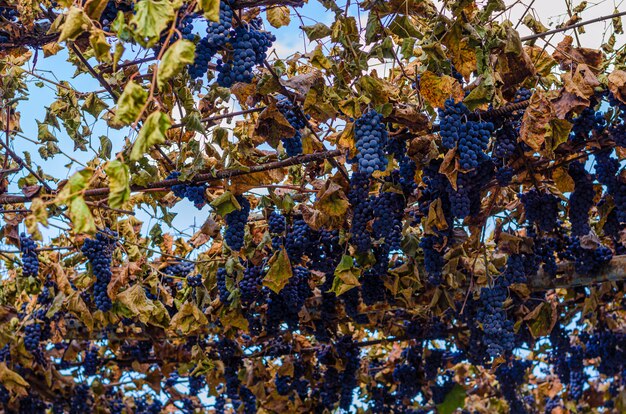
(152, 133)
(211, 9)
(150, 19)
(130, 103)
(188, 319)
(278, 16)
(76, 23)
(181, 53)
(279, 273)
(119, 178)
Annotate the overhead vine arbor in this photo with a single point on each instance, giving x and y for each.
(420, 211)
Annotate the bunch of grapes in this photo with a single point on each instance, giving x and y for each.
(460, 202)
(473, 141)
(8, 13)
(498, 330)
(407, 175)
(32, 337)
(371, 137)
(504, 175)
(297, 289)
(180, 269)
(606, 168)
(581, 199)
(586, 260)
(505, 141)
(388, 213)
(30, 261)
(290, 112)
(510, 376)
(222, 290)
(545, 248)
(91, 363)
(577, 376)
(236, 224)
(451, 127)
(250, 285)
(407, 373)
(249, 48)
(99, 252)
(218, 32)
(194, 193)
(519, 267)
(433, 258)
(541, 209)
(522, 94)
(363, 209)
(298, 240)
(204, 54)
(81, 400)
(194, 280)
(589, 120)
(111, 11)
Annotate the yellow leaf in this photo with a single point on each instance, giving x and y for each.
(279, 273)
(76, 23)
(211, 9)
(189, 319)
(152, 133)
(278, 16)
(536, 120)
(12, 381)
(436, 89)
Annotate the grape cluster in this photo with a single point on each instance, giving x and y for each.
(473, 141)
(32, 337)
(110, 13)
(451, 127)
(505, 141)
(498, 330)
(180, 269)
(236, 222)
(510, 376)
(371, 137)
(194, 280)
(222, 290)
(363, 210)
(541, 209)
(204, 54)
(8, 13)
(518, 268)
(99, 252)
(194, 193)
(583, 125)
(522, 94)
(407, 175)
(407, 374)
(250, 285)
(581, 199)
(81, 400)
(248, 48)
(217, 32)
(388, 213)
(30, 261)
(298, 240)
(297, 289)
(293, 145)
(504, 175)
(586, 260)
(91, 362)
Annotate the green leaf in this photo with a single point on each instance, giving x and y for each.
(454, 399)
(139, 305)
(81, 216)
(38, 207)
(346, 276)
(130, 103)
(106, 146)
(178, 55)
(76, 23)
(94, 105)
(94, 8)
(319, 60)
(211, 9)
(101, 48)
(189, 319)
(280, 271)
(317, 31)
(119, 178)
(278, 16)
(150, 19)
(225, 203)
(72, 195)
(152, 133)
